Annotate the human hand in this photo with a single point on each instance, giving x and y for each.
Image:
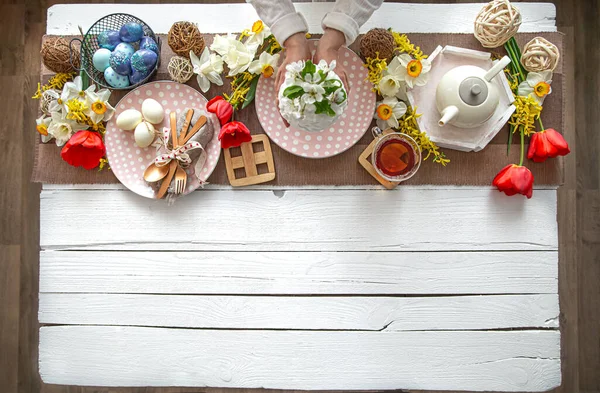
(328, 49)
(295, 49)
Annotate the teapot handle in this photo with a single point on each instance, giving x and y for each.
(497, 68)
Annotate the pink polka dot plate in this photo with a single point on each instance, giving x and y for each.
(128, 161)
(337, 138)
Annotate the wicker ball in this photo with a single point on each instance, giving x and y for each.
(184, 37)
(180, 69)
(55, 55)
(378, 41)
(46, 99)
(539, 55)
(496, 23)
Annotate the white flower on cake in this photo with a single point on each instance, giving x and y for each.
(312, 96)
(62, 129)
(235, 54)
(266, 64)
(412, 71)
(42, 124)
(537, 85)
(98, 107)
(388, 111)
(257, 35)
(208, 68)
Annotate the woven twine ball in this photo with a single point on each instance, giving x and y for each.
(45, 101)
(180, 69)
(378, 41)
(55, 55)
(539, 54)
(496, 23)
(185, 37)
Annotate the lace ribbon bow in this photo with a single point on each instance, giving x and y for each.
(180, 154)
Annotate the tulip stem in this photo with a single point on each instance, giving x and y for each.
(522, 146)
(540, 121)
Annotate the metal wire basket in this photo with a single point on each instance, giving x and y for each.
(89, 46)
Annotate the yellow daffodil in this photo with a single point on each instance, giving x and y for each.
(265, 64)
(258, 33)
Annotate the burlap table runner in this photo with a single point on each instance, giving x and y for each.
(464, 169)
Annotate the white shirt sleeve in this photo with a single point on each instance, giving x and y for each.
(348, 16)
(281, 17)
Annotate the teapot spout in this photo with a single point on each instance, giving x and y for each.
(499, 66)
(448, 113)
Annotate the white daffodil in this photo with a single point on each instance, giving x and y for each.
(388, 111)
(62, 129)
(98, 108)
(74, 89)
(258, 33)
(236, 55)
(59, 101)
(42, 124)
(266, 64)
(537, 85)
(390, 85)
(413, 72)
(208, 68)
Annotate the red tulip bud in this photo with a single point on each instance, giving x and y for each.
(514, 179)
(547, 144)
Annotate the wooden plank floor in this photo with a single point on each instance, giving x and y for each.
(21, 28)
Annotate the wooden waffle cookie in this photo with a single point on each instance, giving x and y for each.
(249, 160)
(365, 160)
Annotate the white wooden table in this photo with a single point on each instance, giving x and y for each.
(302, 288)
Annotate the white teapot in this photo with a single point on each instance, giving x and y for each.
(465, 96)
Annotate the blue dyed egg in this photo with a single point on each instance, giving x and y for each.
(114, 79)
(137, 76)
(101, 58)
(109, 39)
(149, 43)
(120, 59)
(131, 32)
(143, 60)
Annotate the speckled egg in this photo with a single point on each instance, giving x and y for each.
(143, 60)
(131, 32)
(150, 44)
(137, 76)
(120, 59)
(109, 39)
(101, 58)
(114, 79)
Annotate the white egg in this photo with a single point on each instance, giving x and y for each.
(152, 111)
(144, 134)
(129, 119)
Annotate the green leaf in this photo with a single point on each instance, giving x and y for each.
(324, 107)
(293, 92)
(309, 68)
(251, 92)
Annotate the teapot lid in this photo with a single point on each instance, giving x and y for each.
(473, 91)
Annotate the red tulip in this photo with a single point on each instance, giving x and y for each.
(547, 144)
(85, 148)
(221, 108)
(514, 179)
(234, 134)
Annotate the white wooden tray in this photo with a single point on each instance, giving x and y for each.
(449, 136)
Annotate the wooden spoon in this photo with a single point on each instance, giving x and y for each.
(155, 173)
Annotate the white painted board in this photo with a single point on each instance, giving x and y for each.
(135, 356)
(300, 220)
(63, 19)
(302, 313)
(299, 273)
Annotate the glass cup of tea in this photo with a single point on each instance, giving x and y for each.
(396, 156)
